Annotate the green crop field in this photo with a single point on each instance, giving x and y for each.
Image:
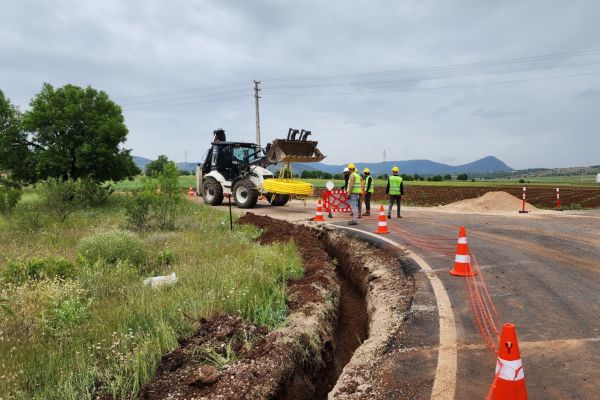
(76, 322)
(185, 181)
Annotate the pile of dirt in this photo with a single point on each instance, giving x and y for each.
(490, 202)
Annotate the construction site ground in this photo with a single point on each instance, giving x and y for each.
(543, 273)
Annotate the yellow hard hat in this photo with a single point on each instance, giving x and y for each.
(351, 166)
(395, 169)
(366, 171)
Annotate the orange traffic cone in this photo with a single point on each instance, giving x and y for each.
(319, 213)
(191, 192)
(462, 260)
(509, 383)
(382, 226)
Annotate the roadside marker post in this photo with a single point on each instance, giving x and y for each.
(558, 200)
(230, 213)
(523, 211)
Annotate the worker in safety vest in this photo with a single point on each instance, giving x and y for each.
(353, 191)
(368, 189)
(346, 177)
(395, 190)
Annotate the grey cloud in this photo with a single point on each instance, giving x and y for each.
(142, 47)
(493, 113)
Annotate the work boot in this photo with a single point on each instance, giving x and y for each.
(352, 223)
(399, 216)
(389, 216)
(367, 214)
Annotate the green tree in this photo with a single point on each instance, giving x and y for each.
(71, 133)
(447, 177)
(153, 168)
(16, 157)
(462, 177)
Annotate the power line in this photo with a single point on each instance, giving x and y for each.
(185, 104)
(544, 57)
(447, 66)
(203, 95)
(432, 88)
(387, 82)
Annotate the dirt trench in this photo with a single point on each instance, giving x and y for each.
(345, 313)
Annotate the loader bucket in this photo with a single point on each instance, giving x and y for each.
(293, 151)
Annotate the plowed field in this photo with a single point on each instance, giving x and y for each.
(539, 196)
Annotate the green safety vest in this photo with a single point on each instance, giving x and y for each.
(368, 179)
(356, 188)
(395, 182)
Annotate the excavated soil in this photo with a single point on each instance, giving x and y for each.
(345, 314)
(490, 202)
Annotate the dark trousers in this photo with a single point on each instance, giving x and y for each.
(360, 202)
(394, 199)
(368, 202)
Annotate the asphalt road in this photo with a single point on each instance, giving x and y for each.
(543, 273)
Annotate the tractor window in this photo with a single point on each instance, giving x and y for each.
(242, 152)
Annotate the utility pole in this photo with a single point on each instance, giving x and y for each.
(256, 97)
(384, 168)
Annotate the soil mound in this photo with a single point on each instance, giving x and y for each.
(491, 201)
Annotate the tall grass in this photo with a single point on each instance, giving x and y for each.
(102, 332)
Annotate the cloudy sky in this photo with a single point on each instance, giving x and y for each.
(450, 81)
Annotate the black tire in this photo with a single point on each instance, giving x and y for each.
(212, 192)
(278, 200)
(245, 194)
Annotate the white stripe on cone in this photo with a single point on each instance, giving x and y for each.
(510, 370)
(381, 223)
(462, 259)
(462, 240)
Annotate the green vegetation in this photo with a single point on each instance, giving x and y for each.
(69, 133)
(76, 321)
(137, 183)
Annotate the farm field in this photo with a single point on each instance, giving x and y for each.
(76, 322)
(541, 196)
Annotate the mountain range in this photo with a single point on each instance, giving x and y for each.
(423, 167)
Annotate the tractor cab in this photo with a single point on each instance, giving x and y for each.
(231, 159)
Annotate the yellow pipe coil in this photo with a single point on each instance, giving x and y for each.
(288, 186)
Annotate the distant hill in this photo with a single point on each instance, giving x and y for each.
(423, 167)
(141, 162)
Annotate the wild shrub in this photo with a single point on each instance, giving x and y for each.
(37, 269)
(112, 247)
(59, 198)
(91, 194)
(9, 197)
(137, 210)
(158, 204)
(29, 217)
(66, 314)
(168, 199)
(165, 258)
(62, 197)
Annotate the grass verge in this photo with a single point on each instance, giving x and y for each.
(101, 332)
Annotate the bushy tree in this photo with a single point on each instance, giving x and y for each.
(447, 177)
(69, 133)
(462, 177)
(153, 168)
